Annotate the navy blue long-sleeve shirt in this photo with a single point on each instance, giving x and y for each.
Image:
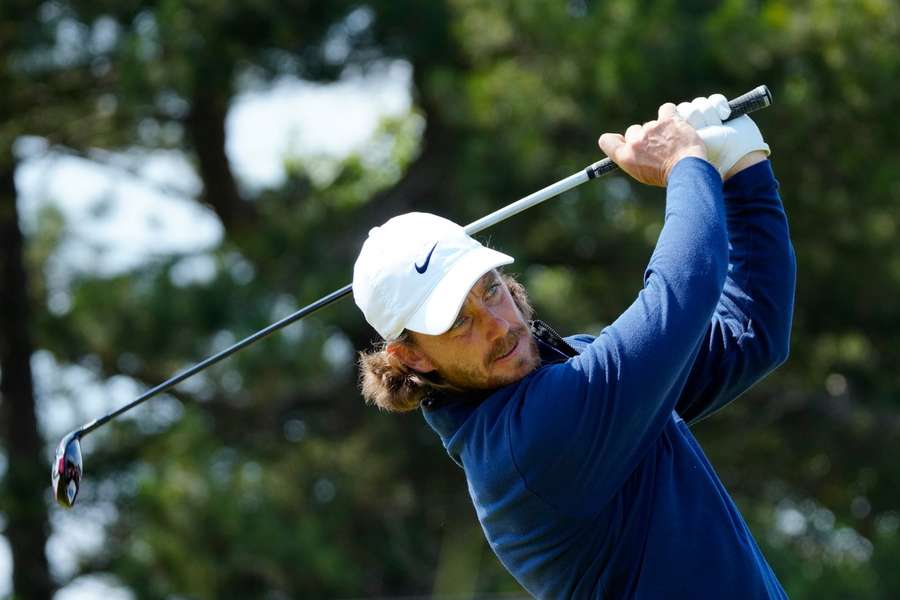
(584, 475)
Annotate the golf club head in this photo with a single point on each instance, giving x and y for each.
(67, 469)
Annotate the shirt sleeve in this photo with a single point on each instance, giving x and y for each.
(577, 429)
(749, 333)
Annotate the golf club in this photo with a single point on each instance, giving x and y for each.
(67, 468)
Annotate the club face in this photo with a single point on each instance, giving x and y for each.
(66, 471)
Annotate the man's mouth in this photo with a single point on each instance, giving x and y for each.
(509, 352)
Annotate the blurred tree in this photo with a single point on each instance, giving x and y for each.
(24, 482)
(175, 67)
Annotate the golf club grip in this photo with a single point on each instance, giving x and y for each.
(757, 98)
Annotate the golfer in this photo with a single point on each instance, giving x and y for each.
(580, 462)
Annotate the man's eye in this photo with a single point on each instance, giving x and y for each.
(459, 322)
(492, 291)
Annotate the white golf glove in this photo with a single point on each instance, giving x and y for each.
(726, 143)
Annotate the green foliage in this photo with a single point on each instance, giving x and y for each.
(274, 480)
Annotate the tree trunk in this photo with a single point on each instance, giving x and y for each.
(27, 478)
(206, 130)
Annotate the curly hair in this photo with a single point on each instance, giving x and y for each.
(392, 386)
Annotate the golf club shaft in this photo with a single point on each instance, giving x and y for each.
(173, 381)
(755, 99)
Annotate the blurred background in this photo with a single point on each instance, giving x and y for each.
(176, 174)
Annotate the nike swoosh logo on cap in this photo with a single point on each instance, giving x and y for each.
(424, 267)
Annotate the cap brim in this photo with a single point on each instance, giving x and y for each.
(442, 306)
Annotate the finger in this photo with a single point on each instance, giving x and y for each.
(707, 112)
(685, 110)
(649, 124)
(666, 110)
(610, 143)
(633, 133)
(721, 105)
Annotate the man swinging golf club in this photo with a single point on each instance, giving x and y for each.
(584, 474)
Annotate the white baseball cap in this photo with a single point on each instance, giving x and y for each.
(415, 271)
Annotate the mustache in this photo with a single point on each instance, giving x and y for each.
(501, 347)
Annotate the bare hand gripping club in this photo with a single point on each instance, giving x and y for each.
(66, 470)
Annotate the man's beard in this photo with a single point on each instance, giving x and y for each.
(466, 378)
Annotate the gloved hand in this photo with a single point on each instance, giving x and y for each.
(726, 143)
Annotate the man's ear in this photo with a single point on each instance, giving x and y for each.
(411, 356)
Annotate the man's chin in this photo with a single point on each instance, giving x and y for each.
(497, 378)
(526, 361)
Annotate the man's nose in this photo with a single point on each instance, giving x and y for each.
(496, 327)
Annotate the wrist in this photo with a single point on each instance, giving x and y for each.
(694, 151)
(689, 152)
(745, 162)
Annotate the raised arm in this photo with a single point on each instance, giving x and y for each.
(602, 409)
(749, 334)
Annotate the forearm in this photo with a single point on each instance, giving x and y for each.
(762, 273)
(749, 333)
(691, 254)
(660, 331)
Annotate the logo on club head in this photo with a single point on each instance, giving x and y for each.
(424, 267)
